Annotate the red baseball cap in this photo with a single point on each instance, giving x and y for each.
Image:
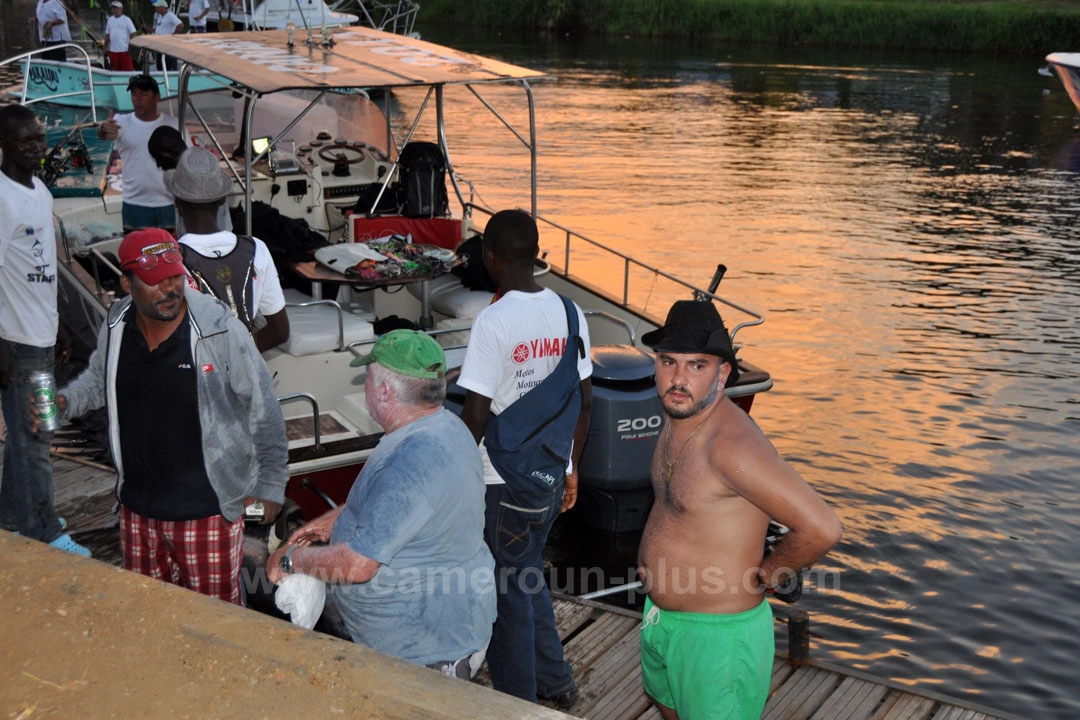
(152, 254)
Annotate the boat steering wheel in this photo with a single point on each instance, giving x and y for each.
(348, 153)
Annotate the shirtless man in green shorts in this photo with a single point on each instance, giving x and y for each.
(707, 638)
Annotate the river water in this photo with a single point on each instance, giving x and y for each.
(907, 225)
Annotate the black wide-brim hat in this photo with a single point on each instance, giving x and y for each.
(694, 326)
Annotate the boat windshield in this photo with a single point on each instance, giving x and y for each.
(215, 121)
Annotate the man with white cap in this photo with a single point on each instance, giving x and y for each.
(118, 32)
(239, 271)
(407, 563)
(195, 429)
(165, 20)
(165, 23)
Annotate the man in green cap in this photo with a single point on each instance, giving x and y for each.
(406, 560)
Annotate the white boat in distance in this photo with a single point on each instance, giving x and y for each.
(323, 144)
(277, 14)
(1067, 66)
(83, 82)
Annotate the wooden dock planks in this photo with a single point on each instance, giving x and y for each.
(604, 656)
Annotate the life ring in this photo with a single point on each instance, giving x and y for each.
(340, 152)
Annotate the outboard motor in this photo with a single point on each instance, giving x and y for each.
(614, 484)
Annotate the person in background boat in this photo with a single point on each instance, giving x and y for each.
(197, 12)
(195, 428)
(526, 655)
(165, 145)
(118, 32)
(53, 28)
(165, 23)
(407, 563)
(30, 336)
(147, 203)
(239, 271)
(707, 635)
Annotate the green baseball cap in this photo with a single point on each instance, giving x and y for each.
(407, 352)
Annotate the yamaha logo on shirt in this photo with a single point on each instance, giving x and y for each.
(539, 348)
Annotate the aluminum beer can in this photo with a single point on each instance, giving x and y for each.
(44, 391)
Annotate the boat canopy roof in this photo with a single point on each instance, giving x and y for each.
(358, 58)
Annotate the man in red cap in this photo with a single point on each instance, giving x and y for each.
(194, 424)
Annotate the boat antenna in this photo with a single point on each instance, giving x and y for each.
(303, 17)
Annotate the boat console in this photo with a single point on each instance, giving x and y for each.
(319, 179)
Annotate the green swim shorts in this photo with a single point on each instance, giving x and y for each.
(705, 665)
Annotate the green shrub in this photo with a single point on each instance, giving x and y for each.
(987, 25)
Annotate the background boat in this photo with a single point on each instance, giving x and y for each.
(72, 82)
(1067, 66)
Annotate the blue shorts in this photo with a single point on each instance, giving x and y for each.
(706, 665)
(136, 217)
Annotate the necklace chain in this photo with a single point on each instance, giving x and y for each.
(669, 465)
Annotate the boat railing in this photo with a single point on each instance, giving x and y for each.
(615, 320)
(340, 316)
(395, 16)
(317, 435)
(626, 299)
(100, 260)
(27, 57)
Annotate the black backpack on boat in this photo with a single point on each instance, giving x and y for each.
(423, 181)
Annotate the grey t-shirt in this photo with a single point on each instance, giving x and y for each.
(418, 509)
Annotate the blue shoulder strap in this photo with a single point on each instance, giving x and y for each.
(572, 323)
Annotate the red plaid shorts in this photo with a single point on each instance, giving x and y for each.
(203, 555)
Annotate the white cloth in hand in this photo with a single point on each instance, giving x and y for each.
(302, 597)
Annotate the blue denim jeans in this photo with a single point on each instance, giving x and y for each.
(26, 490)
(525, 656)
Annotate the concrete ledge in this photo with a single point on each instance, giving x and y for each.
(85, 639)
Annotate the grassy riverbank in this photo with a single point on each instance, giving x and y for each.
(1005, 26)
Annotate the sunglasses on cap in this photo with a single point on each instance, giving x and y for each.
(149, 262)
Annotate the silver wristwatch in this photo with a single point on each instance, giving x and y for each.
(285, 563)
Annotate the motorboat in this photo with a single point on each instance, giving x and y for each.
(84, 79)
(315, 132)
(1067, 67)
(277, 15)
(394, 16)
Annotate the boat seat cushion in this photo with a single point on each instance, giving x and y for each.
(314, 329)
(452, 299)
(441, 232)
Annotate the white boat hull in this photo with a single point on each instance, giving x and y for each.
(1067, 66)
